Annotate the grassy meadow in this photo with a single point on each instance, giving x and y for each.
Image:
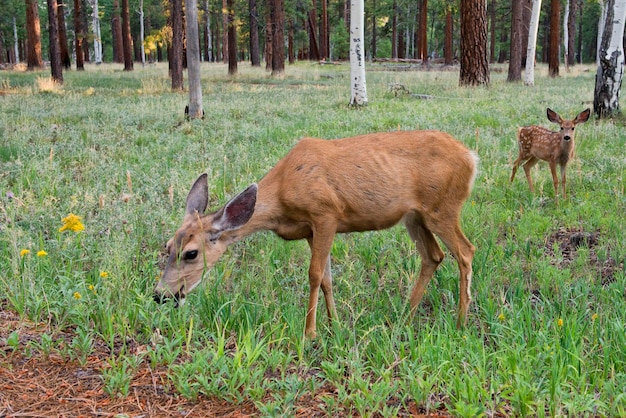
(546, 334)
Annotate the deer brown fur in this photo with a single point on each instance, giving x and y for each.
(538, 143)
(324, 187)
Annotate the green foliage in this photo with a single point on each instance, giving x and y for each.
(546, 329)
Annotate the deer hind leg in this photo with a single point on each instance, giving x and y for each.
(430, 253)
(528, 165)
(319, 276)
(449, 230)
(515, 166)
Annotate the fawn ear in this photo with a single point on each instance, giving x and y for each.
(583, 116)
(553, 116)
(198, 197)
(237, 211)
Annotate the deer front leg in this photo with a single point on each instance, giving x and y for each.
(555, 179)
(563, 180)
(319, 276)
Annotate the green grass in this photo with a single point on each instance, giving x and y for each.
(545, 337)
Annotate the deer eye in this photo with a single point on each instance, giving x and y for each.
(190, 255)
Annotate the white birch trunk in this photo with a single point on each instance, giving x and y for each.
(142, 34)
(97, 37)
(611, 57)
(600, 31)
(17, 50)
(529, 76)
(357, 54)
(193, 61)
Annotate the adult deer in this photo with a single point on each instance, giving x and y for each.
(322, 187)
(538, 143)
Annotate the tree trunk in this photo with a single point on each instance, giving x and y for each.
(533, 27)
(474, 64)
(55, 52)
(515, 54)
(225, 31)
(79, 35)
(176, 53)
(571, 31)
(448, 56)
(374, 32)
(193, 61)
(394, 29)
(255, 53)
(555, 24)
(16, 50)
(324, 43)
(314, 51)
(116, 34)
(232, 39)
(33, 30)
(358, 95)
(126, 39)
(492, 18)
(422, 47)
(277, 11)
(97, 37)
(142, 31)
(66, 62)
(611, 57)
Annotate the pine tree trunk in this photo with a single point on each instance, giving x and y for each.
(277, 11)
(126, 39)
(55, 52)
(255, 53)
(79, 35)
(449, 33)
(193, 61)
(474, 63)
(515, 54)
(176, 52)
(33, 30)
(232, 39)
(555, 25)
(116, 34)
(66, 62)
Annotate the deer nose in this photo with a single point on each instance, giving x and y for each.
(567, 137)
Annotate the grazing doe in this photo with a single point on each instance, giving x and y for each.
(323, 187)
(538, 143)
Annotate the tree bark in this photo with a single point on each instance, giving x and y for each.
(126, 39)
(571, 31)
(474, 65)
(33, 29)
(358, 95)
(533, 27)
(116, 34)
(611, 57)
(232, 39)
(448, 56)
(55, 52)
(255, 53)
(193, 61)
(422, 48)
(277, 13)
(176, 52)
(515, 54)
(66, 62)
(555, 24)
(79, 35)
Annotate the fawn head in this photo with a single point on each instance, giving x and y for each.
(196, 245)
(567, 126)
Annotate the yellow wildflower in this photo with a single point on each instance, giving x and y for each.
(594, 316)
(501, 317)
(92, 288)
(104, 274)
(41, 253)
(24, 252)
(559, 322)
(72, 222)
(77, 296)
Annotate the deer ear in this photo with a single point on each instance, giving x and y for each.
(237, 211)
(198, 197)
(583, 116)
(553, 116)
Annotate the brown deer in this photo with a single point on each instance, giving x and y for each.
(538, 143)
(324, 187)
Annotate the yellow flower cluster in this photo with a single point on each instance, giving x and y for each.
(72, 223)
